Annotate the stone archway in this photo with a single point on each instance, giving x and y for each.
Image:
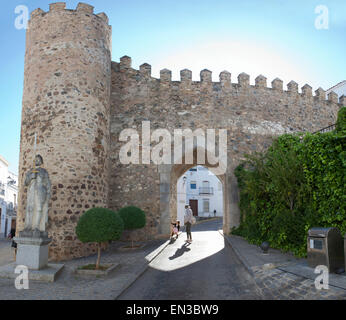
(169, 175)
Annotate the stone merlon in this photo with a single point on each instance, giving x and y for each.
(292, 86)
(307, 90)
(57, 6)
(261, 81)
(125, 62)
(87, 8)
(333, 97)
(277, 84)
(165, 75)
(36, 13)
(206, 75)
(244, 79)
(320, 94)
(186, 75)
(145, 69)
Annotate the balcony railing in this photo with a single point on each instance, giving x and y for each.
(206, 190)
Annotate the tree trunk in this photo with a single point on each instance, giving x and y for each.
(98, 256)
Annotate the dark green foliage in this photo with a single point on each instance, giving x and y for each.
(99, 225)
(297, 184)
(133, 217)
(341, 122)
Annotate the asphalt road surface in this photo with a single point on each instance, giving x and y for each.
(206, 269)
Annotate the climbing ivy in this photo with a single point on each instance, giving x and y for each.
(297, 184)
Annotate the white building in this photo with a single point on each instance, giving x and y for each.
(339, 89)
(8, 198)
(203, 192)
(181, 199)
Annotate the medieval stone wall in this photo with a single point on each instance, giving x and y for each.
(78, 102)
(251, 114)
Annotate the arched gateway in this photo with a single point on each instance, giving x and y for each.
(78, 102)
(169, 176)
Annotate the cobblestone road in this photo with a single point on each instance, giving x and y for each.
(279, 285)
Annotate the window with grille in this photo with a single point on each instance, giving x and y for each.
(205, 205)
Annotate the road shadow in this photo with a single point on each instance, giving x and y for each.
(184, 248)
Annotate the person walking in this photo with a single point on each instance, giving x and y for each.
(11, 235)
(188, 220)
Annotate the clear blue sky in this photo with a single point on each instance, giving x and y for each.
(276, 38)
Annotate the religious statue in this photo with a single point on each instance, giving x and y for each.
(38, 196)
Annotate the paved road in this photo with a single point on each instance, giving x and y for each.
(206, 269)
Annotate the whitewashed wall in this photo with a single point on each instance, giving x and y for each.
(7, 197)
(181, 199)
(215, 199)
(339, 89)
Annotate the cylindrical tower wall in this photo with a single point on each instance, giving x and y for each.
(66, 101)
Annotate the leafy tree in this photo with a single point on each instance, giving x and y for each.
(341, 122)
(133, 217)
(99, 225)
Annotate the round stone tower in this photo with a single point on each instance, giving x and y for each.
(66, 102)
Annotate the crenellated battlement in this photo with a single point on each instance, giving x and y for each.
(82, 8)
(225, 81)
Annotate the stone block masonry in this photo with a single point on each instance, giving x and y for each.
(78, 102)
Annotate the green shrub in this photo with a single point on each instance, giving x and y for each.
(297, 184)
(133, 217)
(99, 225)
(341, 122)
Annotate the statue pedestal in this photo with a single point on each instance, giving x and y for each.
(32, 252)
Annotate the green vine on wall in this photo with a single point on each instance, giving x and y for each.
(298, 183)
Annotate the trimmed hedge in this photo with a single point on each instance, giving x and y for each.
(99, 225)
(133, 217)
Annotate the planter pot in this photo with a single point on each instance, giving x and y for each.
(95, 273)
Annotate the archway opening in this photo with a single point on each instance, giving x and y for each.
(202, 190)
(169, 176)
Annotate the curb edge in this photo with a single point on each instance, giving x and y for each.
(238, 254)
